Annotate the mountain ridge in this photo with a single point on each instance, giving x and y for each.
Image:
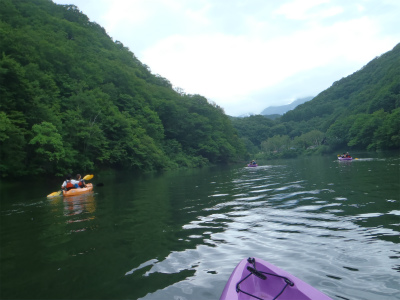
(360, 111)
(281, 109)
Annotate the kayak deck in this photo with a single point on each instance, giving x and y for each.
(254, 278)
(78, 191)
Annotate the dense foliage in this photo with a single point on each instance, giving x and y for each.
(361, 111)
(73, 99)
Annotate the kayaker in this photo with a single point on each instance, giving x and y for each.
(69, 183)
(81, 181)
(253, 162)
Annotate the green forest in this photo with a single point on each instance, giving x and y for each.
(358, 112)
(73, 99)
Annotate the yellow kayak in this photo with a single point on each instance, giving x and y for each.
(80, 191)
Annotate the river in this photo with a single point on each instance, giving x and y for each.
(178, 235)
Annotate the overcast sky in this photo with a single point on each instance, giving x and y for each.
(246, 55)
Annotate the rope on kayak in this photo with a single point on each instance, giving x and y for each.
(260, 274)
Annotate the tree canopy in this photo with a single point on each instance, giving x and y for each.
(74, 99)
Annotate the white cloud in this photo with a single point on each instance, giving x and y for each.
(259, 52)
(127, 13)
(360, 7)
(233, 66)
(299, 9)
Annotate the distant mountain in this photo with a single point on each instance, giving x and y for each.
(280, 110)
(374, 87)
(360, 111)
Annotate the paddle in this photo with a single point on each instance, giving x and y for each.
(59, 193)
(88, 177)
(54, 194)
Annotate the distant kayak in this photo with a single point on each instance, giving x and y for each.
(79, 191)
(254, 278)
(251, 165)
(345, 158)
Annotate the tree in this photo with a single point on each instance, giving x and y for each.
(256, 129)
(387, 136)
(277, 143)
(338, 133)
(48, 145)
(312, 138)
(12, 145)
(361, 133)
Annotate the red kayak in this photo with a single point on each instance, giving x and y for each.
(254, 278)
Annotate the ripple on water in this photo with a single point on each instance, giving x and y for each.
(295, 225)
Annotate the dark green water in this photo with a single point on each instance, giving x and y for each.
(179, 235)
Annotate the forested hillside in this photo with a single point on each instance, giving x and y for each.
(73, 99)
(361, 111)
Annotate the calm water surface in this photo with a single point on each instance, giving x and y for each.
(179, 235)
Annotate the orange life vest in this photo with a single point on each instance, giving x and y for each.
(69, 185)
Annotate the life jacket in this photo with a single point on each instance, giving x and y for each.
(81, 183)
(69, 185)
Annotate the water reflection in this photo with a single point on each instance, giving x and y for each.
(322, 228)
(179, 235)
(79, 209)
(79, 204)
(76, 209)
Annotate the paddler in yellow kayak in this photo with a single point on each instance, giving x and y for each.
(69, 183)
(81, 181)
